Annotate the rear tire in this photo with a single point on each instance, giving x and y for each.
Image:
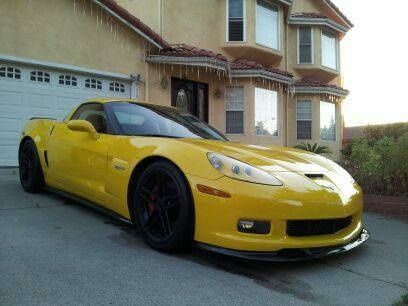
(163, 208)
(31, 175)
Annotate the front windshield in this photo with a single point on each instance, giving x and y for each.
(159, 121)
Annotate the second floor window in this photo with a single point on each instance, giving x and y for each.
(305, 54)
(266, 112)
(327, 121)
(235, 20)
(267, 24)
(304, 119)
(234, 110)
(329, 50)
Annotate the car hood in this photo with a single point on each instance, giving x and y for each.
(270, 159)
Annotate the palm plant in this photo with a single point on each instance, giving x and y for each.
(315, 148)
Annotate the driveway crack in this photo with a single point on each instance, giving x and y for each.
(401, 285)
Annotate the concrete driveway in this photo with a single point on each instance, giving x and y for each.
(55, 251)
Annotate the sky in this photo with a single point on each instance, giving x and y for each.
(374, 61)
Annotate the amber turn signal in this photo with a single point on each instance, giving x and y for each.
(213, 191)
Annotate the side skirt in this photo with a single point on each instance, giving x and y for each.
(90, 204)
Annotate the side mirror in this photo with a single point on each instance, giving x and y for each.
(83, 126)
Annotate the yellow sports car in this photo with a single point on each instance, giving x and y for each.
(181, 181)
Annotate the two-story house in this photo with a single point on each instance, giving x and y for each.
(265, 72)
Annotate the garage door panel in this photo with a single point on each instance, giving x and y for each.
(21, 99)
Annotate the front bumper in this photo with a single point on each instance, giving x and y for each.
(292, 254)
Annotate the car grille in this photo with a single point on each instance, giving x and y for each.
(302, 228)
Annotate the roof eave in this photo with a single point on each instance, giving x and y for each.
(322, 90)
(141, 33)
(209, 62)
(261, 73)
(318, 21)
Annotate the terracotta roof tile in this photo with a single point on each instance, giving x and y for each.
(183, 50)
(242, 64)
(308, 15)
(134, 21)
(307, 82)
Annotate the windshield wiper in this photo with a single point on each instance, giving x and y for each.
(157, 135)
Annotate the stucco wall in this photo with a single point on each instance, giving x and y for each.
(80, 35)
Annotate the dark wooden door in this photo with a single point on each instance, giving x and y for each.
(191, 97)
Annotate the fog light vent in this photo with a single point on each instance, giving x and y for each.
(254, 227)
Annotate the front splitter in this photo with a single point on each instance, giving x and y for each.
(291, 254)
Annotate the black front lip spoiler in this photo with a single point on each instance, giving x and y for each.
(291, 254)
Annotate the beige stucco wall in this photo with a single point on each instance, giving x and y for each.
(80, 35)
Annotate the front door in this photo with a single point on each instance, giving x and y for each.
(191, 97)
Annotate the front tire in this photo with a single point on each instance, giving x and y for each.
(163, 208)
(31, 175)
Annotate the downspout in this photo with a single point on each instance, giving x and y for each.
(287, 91)
(146, 95)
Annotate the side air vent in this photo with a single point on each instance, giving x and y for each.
(314, 175)
(46, 157)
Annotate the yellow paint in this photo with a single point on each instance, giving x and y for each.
(88, 168)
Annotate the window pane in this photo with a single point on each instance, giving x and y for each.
(327, 121)
(234, 122)
(236, 20)
(236, 8)
(304, 110)
(304, 129)
(234, 97)
(329, 51)
(267, 25)
(266, 112)
(305, 45)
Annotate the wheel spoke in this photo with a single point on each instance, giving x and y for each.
(151, 222)
(150, 201)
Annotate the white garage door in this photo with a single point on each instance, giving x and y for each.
(29, 91)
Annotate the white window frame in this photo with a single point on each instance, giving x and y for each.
(279, 26)
(235, 110)
(336, 121)
(278, 114)
(311, 119)
(312, 46)
(337, 49)
(227, 23)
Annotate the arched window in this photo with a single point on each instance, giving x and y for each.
(93, 83)
(116, 87)
(68, 80)
(40, 76)
(10, 72)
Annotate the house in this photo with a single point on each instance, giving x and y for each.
(265, 72)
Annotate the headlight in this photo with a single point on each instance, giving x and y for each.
(238, 170)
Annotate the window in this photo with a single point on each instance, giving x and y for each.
(93, 83)
(235, 20)
(234, 110)
(116, 87)
(327, 121)
(329, 50)
(67, 80)
(40, 76)
(305, 51)
(94, 113)
(10, 72)
(304, 119)
(266, 112)
(267, 24)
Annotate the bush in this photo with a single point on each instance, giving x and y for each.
(379, 165)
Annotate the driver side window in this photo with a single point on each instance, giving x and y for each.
(94, 113)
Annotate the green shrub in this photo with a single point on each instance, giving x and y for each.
(379, 165)
(315, 148)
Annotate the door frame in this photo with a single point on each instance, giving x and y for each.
(196, 85)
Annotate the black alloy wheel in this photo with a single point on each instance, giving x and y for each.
(163, 207)
(31, 175)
